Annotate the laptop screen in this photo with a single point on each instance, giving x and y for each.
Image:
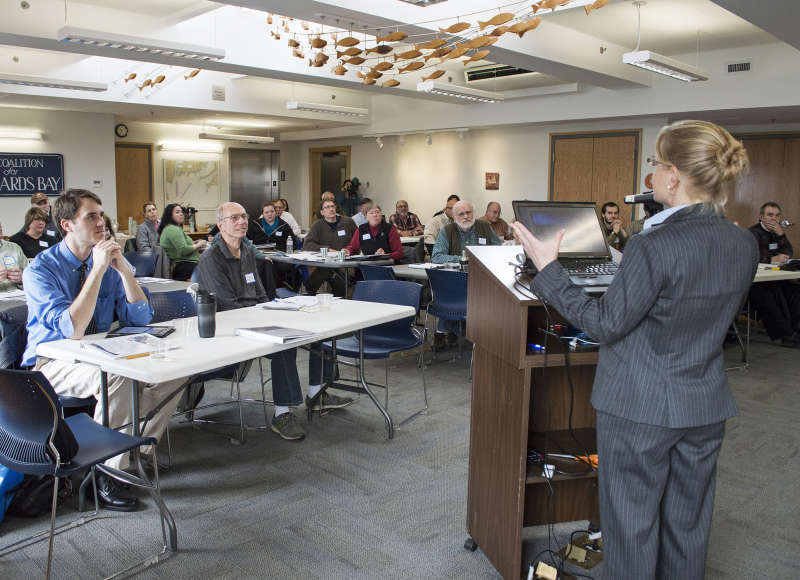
(583, 238)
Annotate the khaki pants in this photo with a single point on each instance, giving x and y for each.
(83, 380)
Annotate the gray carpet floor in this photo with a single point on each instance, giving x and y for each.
(348, 503)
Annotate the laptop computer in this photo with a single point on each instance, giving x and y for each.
(584, 251)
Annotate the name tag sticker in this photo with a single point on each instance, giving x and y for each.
(279, 234)
(51, 233)
(9, 260)
(366, 237)
(44, 244)
(250, 278)
(482, 241)
(773, 246)
(342, 233)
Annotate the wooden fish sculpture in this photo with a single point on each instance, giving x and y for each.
(145, 84)
(440, 53)
(293, 43)
(158, 80)
(370, 75)
(130, 77)
(356, 60)
(456, 52)
(595, 5)
(455, 28)
(520, 28)
(339, 70)
(298, 53)
(192, 74)
(499, 31)
(383, 66)
(431, 44)
(369, 81)
(480, 41)
(417, 64)
(380, 49)
(393, 37)
(352, 51)
(390, 83)
(499, 19)
(269, 19)
(434, 75)
(275, 35)
(548, 5)
(347, 41)
(319, 60)
(407, 55)
(480, 55)
(318, 42)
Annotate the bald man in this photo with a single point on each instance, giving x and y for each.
(499, 225)
(407, 223)
(463, 232)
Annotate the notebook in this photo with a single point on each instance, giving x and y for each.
(584, 251)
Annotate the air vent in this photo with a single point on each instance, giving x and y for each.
(738, 67)
(480, 73)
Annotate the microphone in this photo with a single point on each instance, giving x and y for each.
(640, 198)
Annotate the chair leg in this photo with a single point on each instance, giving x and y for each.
(52, 526)
(386, 384)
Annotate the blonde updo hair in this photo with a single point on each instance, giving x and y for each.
(706, 154)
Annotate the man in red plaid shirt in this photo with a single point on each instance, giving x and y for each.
(407, 223)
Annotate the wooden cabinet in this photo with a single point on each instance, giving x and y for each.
(518, 405)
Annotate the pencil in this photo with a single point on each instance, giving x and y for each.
(137, 355)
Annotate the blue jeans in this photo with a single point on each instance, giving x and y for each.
(285, 381)
(315, 365)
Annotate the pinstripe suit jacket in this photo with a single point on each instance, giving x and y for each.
(663, 320)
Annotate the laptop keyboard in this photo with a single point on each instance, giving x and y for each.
(590, 269)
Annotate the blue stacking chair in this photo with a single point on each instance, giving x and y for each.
(377, 272)
(449, 290)
(30, 416)
(180, 304)
(384, 339)
(145, 264)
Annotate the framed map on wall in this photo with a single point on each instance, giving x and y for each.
(192, 183)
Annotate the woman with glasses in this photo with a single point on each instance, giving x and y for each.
(660, 389)
(177, 244)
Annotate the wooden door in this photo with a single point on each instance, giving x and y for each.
(134, 167)
(774, 176)
(595, 167)
(315, 175)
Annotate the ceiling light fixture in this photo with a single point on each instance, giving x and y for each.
(27, 134)
(190, 147)
(254, 139)
(379, 142)
(658, 63)
(428, 139)
(323, 108)
(458, 92)
(33, 81)
(243, 123)
(138, 44)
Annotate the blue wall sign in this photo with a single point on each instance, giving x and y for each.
(23, 174)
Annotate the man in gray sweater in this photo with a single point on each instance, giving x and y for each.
(334, 232)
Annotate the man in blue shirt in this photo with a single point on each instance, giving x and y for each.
(74, 289)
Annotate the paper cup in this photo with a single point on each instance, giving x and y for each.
(324, 253)
(324, 301)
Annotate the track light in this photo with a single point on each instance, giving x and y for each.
(458, 92)
(33, 81)
(428, 139)
(104, 39)
(379, 142)
(325, 108)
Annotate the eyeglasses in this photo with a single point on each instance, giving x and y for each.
(236, 217)
(655, 162)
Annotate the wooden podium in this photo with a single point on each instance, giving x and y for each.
(519, 405)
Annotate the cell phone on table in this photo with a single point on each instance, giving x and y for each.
(157, 331)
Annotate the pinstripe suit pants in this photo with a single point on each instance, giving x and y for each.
(656, 497)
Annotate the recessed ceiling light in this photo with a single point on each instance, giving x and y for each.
(34, 81)
(104, 39)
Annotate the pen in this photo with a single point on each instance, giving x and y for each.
(137, 355)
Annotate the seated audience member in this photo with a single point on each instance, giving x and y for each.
(109, 228)
(33, 238)
(177, 244)
(347, 199)
(651, 208)
(777, 303)
(499, 225)
(277, 230)
(78, 288)
(14, 261)
(327, 195)
(229, 270)
(454, 198)
(376, 237)
(407, 223)
(41, 201)
(360, 218)
(465, 231)
(334, 232)
(282, 209)
(147, 238)
(440, 220)
(616, 235)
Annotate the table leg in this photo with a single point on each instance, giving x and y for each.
(137, 456)
(104, 396)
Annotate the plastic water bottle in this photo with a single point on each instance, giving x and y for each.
(289, 245)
